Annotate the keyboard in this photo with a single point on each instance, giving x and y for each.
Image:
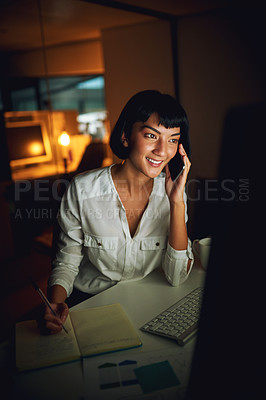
(180, 321)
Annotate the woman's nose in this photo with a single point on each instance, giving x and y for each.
(160, 148)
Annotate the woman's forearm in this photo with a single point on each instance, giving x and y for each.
(178, 238)
(178, 231)
(57, 294)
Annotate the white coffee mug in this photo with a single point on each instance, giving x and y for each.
(202, 249)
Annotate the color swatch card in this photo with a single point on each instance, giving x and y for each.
(156, 376)
(146, 375)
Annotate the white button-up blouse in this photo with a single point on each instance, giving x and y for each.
(95, 248)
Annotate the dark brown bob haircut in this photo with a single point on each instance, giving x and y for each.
(139, 108)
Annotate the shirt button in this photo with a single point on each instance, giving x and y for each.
(158, 244)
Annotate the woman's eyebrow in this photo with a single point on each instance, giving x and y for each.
(155, 130)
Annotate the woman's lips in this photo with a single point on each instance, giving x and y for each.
(154, 163)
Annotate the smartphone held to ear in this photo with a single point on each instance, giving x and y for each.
(176, 166)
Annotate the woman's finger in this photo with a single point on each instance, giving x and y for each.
(185, 157)
(53, 328)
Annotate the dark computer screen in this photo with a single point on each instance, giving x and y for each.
(229, 359)
(28, 140)
(25, 141)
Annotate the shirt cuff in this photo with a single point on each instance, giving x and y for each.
(180, 254)
(56, 281)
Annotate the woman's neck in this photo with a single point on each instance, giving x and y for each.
(133, 182)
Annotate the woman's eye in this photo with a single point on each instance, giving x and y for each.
(175, 141)
(150, 135)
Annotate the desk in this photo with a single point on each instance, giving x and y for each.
(141, 300)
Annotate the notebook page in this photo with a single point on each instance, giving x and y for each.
(34, 350)
(103, 329)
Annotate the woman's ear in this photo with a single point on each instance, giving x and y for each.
(124, 140)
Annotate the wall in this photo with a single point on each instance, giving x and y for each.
(136, 58)
(217, 70)
(221, 65)
(76, 58)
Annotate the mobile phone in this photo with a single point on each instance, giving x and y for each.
(176, 166)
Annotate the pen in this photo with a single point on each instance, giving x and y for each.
(36, 287)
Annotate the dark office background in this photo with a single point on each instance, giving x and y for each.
(210, 55)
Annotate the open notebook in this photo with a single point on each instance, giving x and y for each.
(90, 332)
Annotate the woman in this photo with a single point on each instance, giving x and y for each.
(123, 221)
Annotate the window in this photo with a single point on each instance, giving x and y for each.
(82, 93)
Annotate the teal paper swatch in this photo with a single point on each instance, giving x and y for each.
(156, 376)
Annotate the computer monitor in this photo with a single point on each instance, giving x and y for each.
(229, 359)
(28, 143)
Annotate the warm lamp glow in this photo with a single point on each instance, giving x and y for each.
(35, 148)
(64, 139)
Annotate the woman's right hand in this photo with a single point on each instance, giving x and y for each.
(53, 324)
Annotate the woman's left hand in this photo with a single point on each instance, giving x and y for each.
(175, 190)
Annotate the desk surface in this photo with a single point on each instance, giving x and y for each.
(141, 300)
(144, 299)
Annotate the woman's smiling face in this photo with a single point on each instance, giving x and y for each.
(151, 146)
